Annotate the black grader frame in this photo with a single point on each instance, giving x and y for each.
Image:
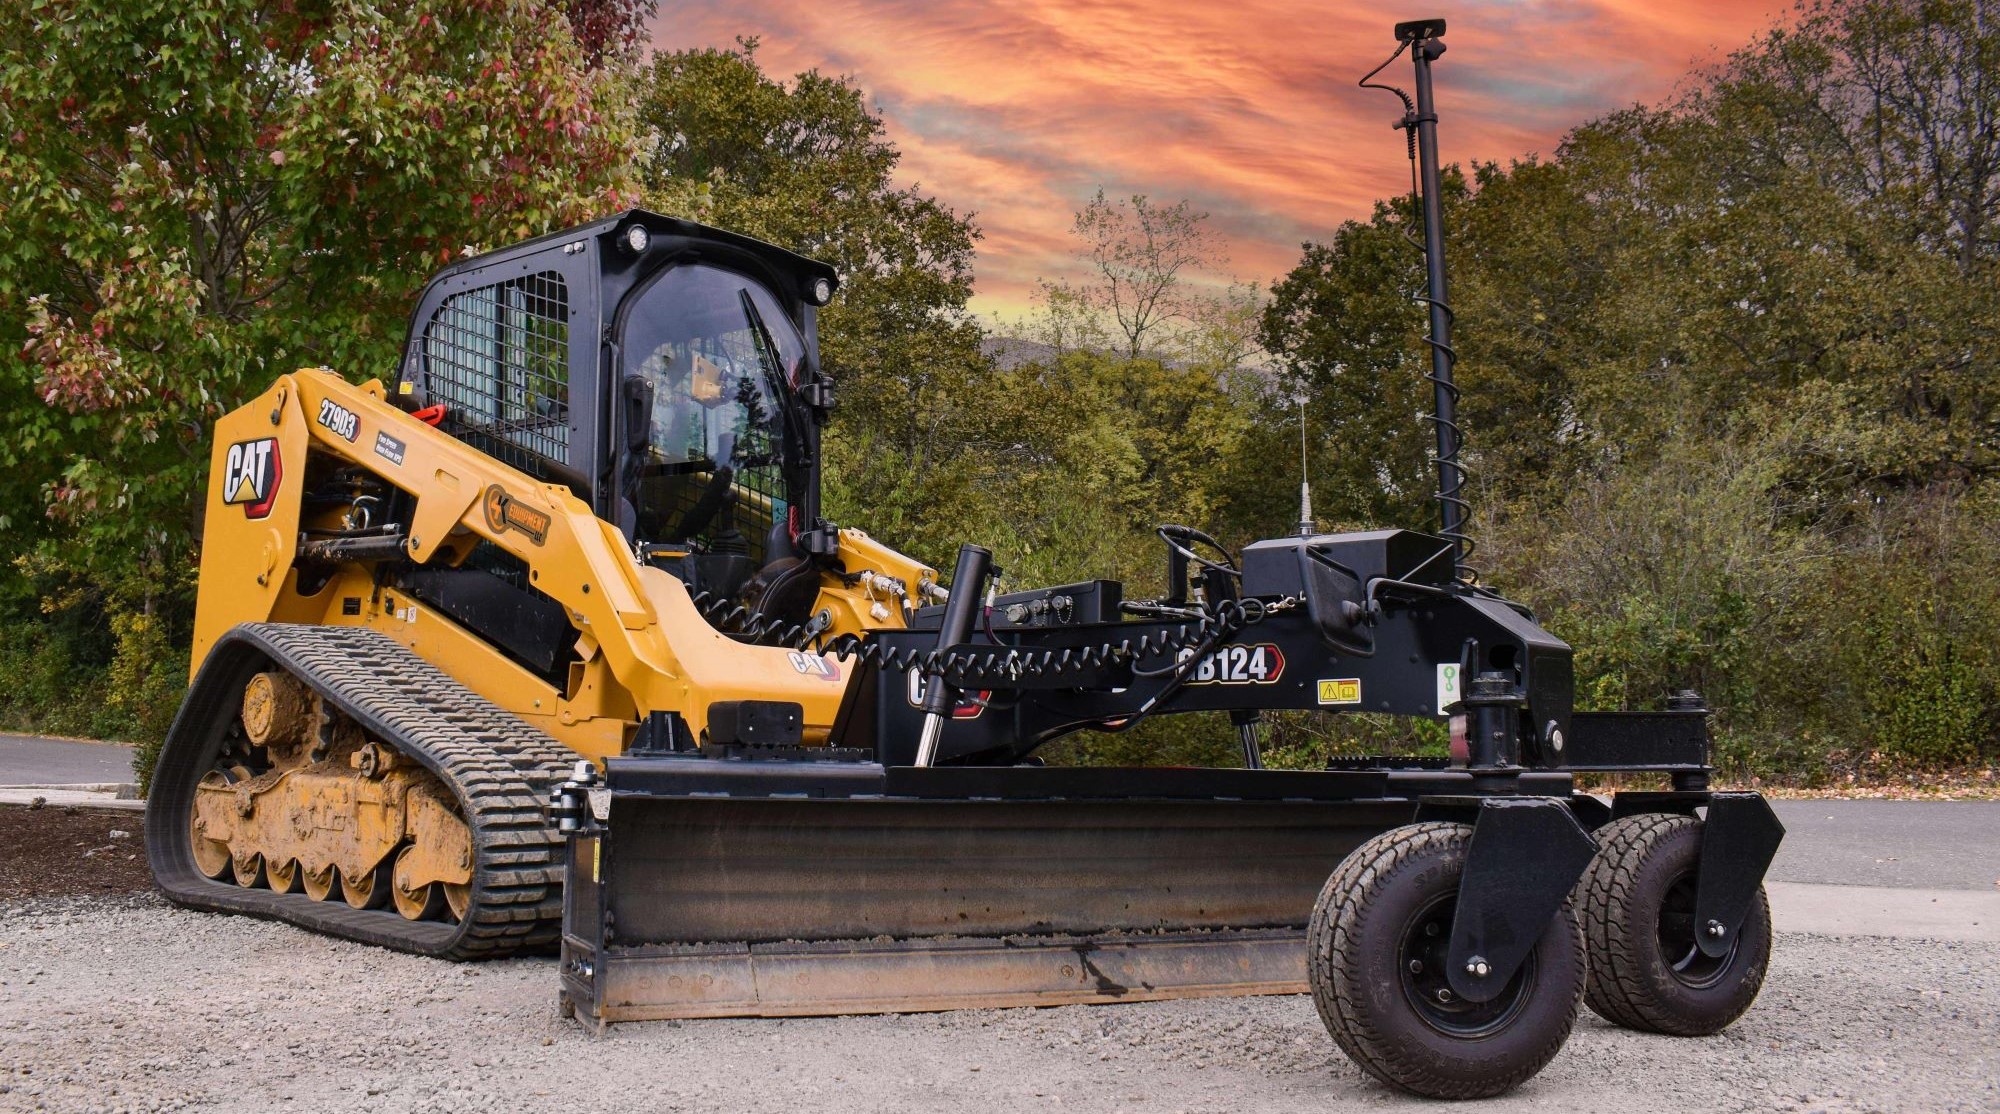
(1448, 915)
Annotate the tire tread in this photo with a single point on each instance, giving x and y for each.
(1338, 917)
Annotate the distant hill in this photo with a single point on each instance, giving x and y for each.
(1008, 353)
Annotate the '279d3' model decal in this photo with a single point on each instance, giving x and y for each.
(251, 472)
(341, 421)
(1261, 664)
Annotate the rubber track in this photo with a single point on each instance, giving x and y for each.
(1339, 910)
(1616, 990)
(498, 768)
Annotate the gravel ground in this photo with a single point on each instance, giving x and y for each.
(116, 1004)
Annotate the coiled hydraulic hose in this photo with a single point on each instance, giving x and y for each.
(1206, 629)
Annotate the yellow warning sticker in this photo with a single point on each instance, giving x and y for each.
(597, 860)
(1340, 690)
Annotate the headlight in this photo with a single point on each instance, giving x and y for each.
(822, 291)
(637, 239)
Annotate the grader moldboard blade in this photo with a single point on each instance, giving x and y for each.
(764, 889)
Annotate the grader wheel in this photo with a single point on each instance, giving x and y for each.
(1637, 902)
(1378, 938)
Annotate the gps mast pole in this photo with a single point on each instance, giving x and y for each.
(1426, 39)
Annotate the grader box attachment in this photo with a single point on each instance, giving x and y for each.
(545, 645)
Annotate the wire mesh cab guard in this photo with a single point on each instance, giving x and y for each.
(497, 357)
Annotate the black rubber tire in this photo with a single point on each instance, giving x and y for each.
(1370, 909)
(1642, 863)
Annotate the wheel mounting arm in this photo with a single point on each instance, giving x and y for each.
(1739, 839)
(1526, 856)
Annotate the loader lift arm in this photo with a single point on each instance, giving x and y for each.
(636, 632)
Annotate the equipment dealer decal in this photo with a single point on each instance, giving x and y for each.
(504, 513)
(250, 475)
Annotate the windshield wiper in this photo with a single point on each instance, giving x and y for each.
(799, 411)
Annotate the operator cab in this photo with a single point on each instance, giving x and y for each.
(720, 469)
(665, 372)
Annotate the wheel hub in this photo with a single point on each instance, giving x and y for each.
(1425, 945)
(1680, 947)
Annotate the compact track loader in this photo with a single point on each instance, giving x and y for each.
(546, 645)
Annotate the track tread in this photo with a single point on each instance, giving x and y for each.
(499, 767)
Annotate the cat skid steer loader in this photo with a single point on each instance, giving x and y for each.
(545, 645)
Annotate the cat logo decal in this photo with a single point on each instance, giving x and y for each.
(250, 476)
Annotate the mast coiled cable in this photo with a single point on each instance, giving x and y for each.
(1452, 472)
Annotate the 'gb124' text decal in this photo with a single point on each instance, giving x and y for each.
(1260, 664)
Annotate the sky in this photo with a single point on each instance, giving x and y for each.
(1020, 111)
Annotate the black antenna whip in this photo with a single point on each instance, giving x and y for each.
(1419, 123)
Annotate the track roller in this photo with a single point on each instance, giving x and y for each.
(1388, 908)
(283, 878)
(415, 901)
(1637, 901)
(248, 870)
(368, 889)
(319, 885)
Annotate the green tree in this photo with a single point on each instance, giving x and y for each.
(1730, 387)
(196, 197)
(1343, 332)
(806, 165)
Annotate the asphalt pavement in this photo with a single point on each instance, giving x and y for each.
(1929, 868)
(1941, 845)
(38, 760)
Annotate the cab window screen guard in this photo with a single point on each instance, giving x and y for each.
(497, 357)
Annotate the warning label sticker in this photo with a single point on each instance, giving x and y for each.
(1340, 690)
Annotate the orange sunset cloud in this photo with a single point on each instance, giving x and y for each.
(1019, 112)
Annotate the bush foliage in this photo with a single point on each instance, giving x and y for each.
(1729, 362)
